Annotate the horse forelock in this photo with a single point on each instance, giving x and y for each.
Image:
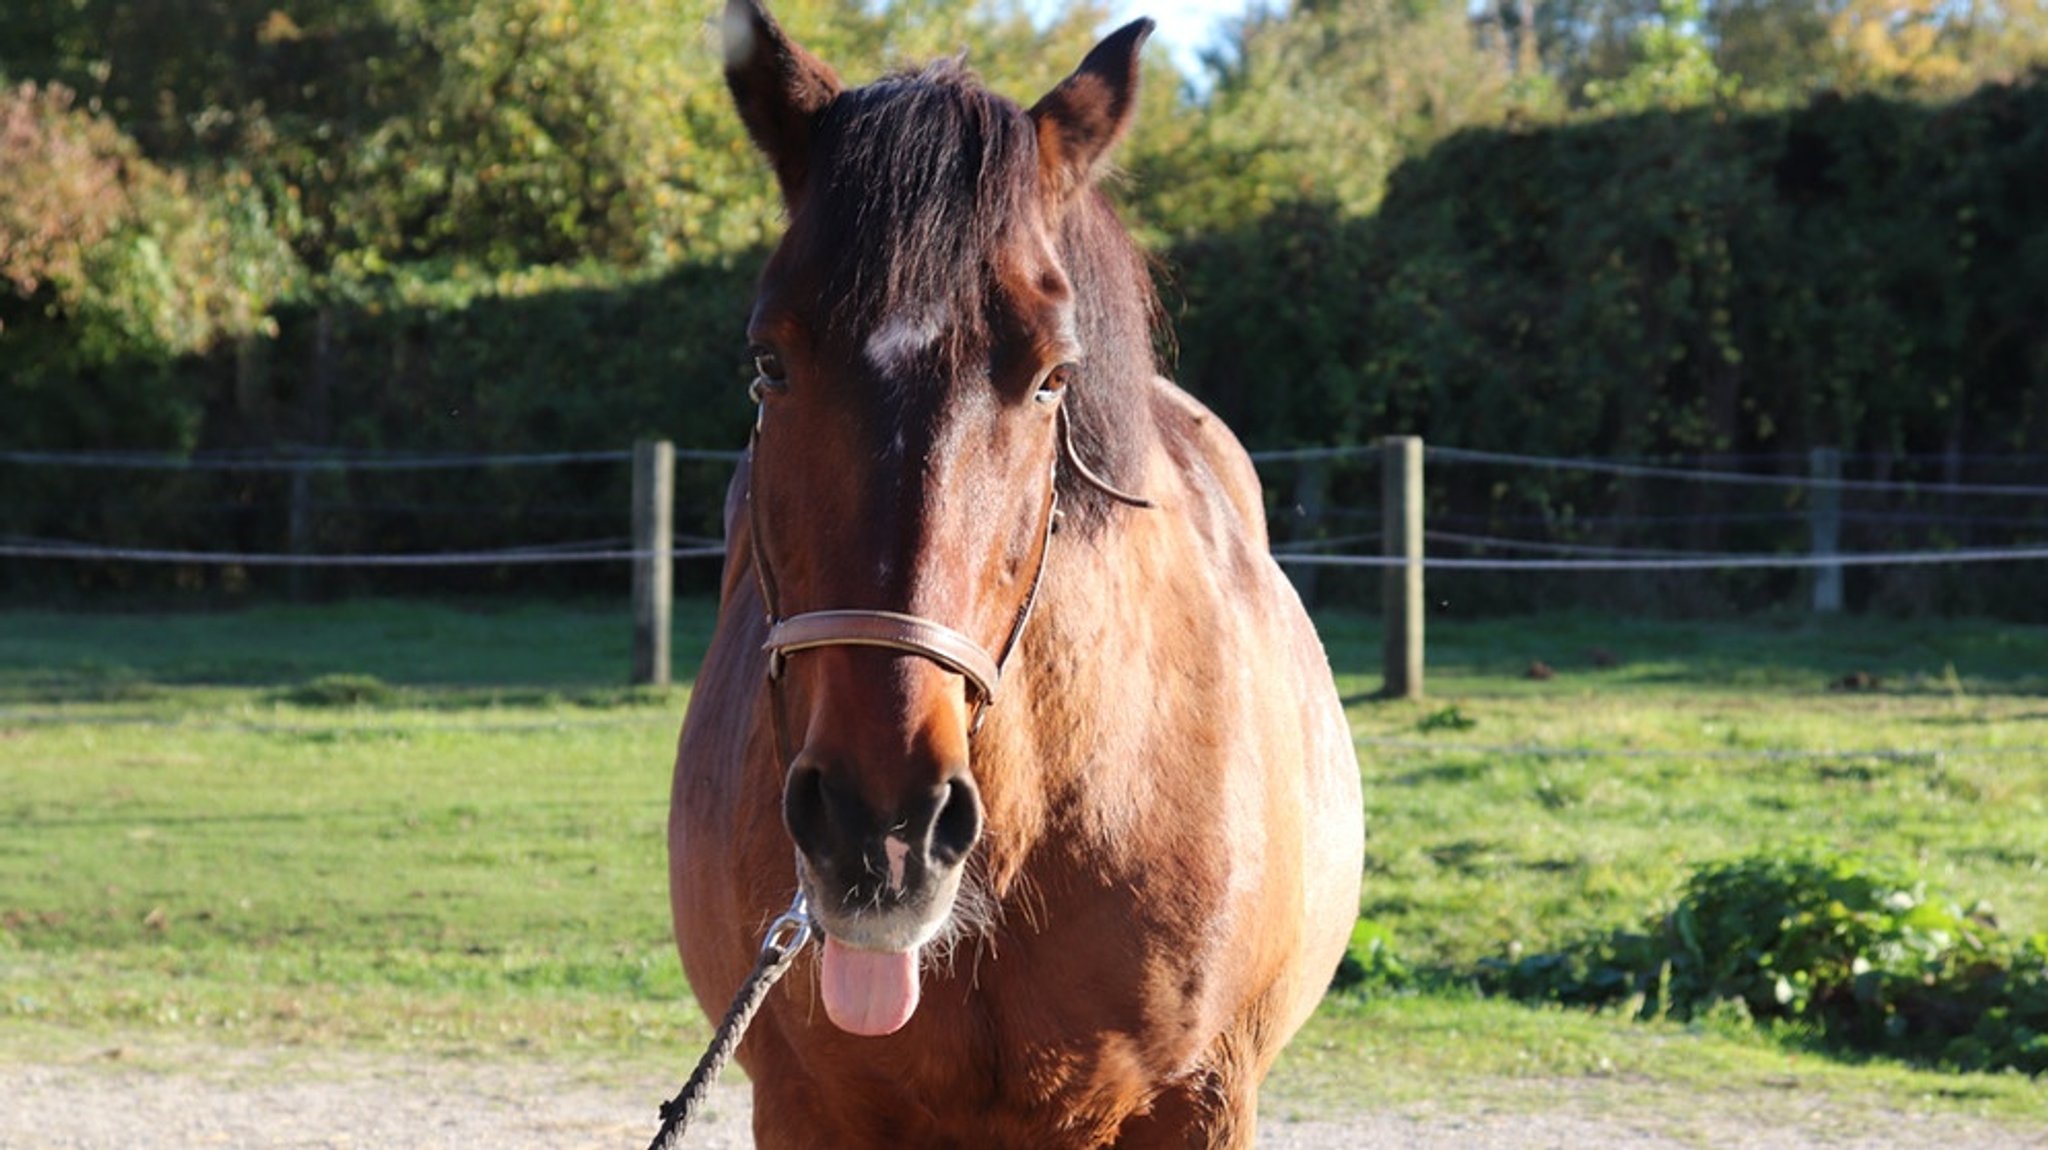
(921, 176)
(922, 179)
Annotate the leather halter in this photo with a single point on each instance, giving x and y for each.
(895, 631)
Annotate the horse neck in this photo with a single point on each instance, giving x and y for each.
(1069, 745)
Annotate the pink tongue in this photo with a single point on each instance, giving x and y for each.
(869, 992)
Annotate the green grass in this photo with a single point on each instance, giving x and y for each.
(202, 828)
(1554, 807)
(398, 825)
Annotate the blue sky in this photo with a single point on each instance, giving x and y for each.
(1185, 26)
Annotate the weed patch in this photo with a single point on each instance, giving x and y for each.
(1862, 955)
(1451, 718)
(339, 691)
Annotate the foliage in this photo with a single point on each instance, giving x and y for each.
(1670, 282)
(1450, 718)
(475, 227)
(1782, 50)
(110, 268)
(1861, 273)
(134, 258)
(507, 130)
(1779, 48)
(1918, 45)
(503, 133)
(1321, 104)
(60, 189)
(545, 133)
(546, 359)
(1674, 67)
(519, 224)
(1894, 40)
(1370, 965)
(1862, 954)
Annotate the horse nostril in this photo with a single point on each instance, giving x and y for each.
(841, 836)
(957, 824)
(804, 807)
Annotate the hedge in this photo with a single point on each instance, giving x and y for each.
(1863, 273)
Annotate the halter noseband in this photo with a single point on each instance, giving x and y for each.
(895, 631)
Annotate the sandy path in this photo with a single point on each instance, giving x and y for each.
(235, 1097)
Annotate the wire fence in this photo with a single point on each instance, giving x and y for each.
(1503, 530)
(1667, 562)
(512, 556)
(1352, 524)
(327, 460)
(1497, 512)
(323, 522)
(1738, 478)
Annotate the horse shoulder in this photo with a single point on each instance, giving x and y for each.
(1316, 832)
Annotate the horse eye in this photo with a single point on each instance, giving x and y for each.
(768, 366)
(1055, 384)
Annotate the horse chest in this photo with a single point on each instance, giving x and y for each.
(1038, 1044)
(981, 1088)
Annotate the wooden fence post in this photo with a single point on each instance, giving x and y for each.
(1401, 584)
(1824, 521)
(654, 496)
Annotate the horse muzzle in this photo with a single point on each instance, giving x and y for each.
(882, 885)
(879, 801)
(880, 879)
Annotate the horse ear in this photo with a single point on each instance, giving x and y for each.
(779, 88)
(1079, 121)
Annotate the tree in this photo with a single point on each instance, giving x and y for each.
(1674, 67)
(492, 134)
(109, 267)
(60, 187)
(1319, 103)
(1778, 47)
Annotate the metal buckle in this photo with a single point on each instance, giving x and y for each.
(792, 931)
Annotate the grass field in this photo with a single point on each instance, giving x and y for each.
(436, 828)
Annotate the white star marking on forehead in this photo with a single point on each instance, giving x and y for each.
(902, 339)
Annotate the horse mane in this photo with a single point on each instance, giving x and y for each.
(924, 172)
(1109, 409)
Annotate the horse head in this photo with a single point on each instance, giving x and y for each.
(920, 338)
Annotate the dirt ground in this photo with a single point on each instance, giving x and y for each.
(142, 1098)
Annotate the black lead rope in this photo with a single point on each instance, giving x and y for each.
(786, 939)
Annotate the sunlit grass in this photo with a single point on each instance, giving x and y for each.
(410, 827)
(1508, 812)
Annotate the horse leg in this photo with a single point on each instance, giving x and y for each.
(787, 1103)
(795, 1111)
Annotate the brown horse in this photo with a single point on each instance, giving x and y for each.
(1004, 676)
